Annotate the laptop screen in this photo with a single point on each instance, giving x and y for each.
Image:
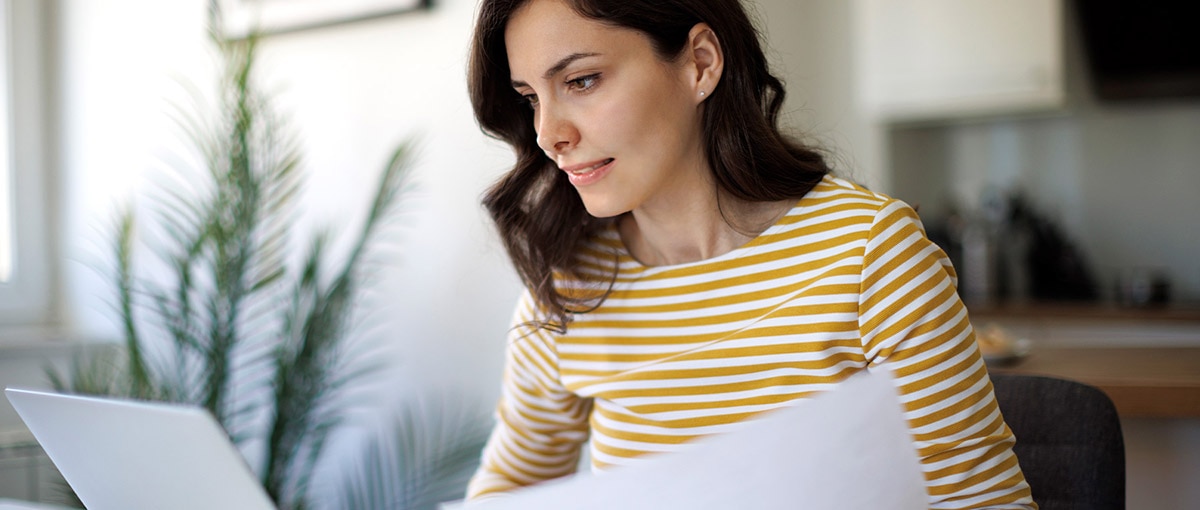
(124, 455)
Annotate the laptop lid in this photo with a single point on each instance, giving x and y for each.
(125, 455)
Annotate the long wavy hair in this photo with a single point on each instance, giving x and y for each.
(540, 216)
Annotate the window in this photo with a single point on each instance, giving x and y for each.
(6, 240)
(24, 256)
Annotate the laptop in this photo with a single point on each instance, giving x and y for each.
(125, 455)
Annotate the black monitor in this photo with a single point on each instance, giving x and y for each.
(1141, 49)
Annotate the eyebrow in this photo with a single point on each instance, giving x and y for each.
(557, 67)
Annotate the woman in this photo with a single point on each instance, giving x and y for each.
(687, 266)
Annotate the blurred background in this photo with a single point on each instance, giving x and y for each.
(989, 116)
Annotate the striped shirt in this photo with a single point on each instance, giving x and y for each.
(846, 281)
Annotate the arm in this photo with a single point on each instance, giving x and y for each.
(540, 424)
(913, 323)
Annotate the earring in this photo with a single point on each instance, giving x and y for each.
(701, 93)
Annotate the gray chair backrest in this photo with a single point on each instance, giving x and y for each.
(1069, 441)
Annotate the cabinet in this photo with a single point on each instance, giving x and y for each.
(923, 60)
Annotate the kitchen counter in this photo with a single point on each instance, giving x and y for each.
(1186, 313)
(1146, 359)
(1150, 382)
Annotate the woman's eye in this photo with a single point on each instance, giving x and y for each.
(583, 83)
(530, 100)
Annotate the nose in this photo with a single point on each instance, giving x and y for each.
(556, 133)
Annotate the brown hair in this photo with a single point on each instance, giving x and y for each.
(541, 217)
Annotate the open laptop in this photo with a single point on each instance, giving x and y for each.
(124, 455)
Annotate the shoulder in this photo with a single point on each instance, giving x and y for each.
(838, 206)
(841, 219)
(833, 190)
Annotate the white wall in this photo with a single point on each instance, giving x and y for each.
(810, 46)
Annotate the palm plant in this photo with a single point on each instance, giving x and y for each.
(423, 457)
(244, 337)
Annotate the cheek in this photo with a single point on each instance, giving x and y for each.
(652, 114)
(611, 125)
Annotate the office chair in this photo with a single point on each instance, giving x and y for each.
(1069, 441)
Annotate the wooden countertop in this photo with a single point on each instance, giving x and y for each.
(1158, 382)
(1184, 313)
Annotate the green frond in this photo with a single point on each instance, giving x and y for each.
(424, 457)
(140, 379)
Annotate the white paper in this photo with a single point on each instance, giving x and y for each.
(845, 448)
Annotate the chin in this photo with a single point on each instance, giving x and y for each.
(603, 208)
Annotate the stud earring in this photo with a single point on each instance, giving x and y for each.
(701, 93)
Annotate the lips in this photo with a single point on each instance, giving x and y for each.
(587, 173)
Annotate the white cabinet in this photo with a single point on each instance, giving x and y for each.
(936, 59)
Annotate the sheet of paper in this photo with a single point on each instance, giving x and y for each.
(845, 448)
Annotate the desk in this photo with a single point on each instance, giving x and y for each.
(1154, 382)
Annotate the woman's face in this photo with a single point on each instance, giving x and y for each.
(622, 123)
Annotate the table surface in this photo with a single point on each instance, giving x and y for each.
(1143, 382)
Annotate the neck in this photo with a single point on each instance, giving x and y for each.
(693, 230)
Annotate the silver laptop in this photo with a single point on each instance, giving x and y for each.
(123, 455)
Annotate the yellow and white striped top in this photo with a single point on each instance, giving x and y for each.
(846, 281)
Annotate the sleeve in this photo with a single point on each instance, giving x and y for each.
(913, 323)
(540, 424)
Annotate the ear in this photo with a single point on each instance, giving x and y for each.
(704, 60)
